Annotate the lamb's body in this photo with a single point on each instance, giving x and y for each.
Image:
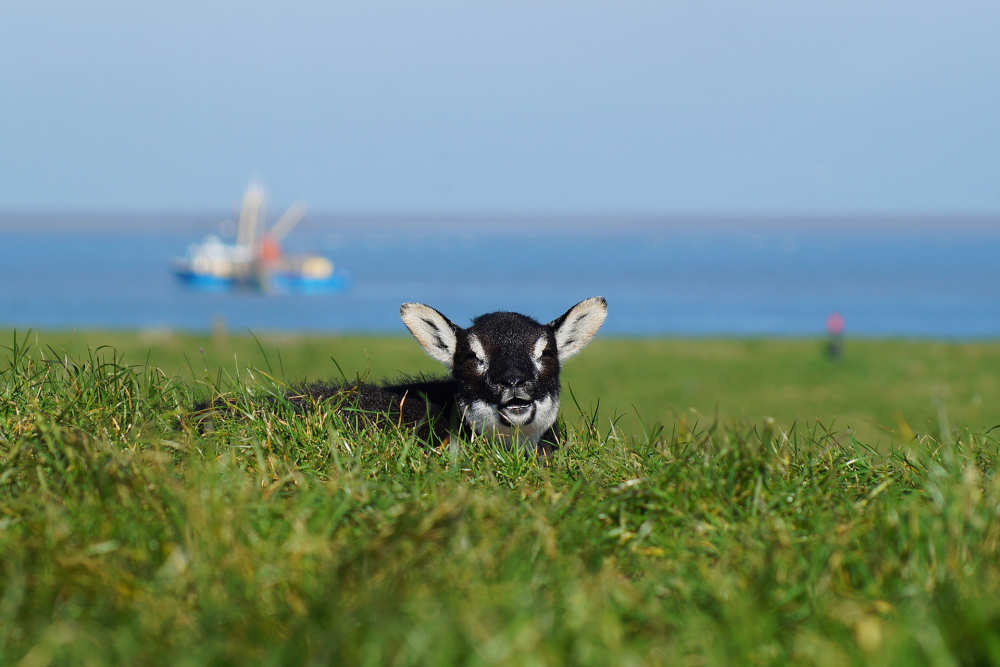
(504, 381)
(429, 407)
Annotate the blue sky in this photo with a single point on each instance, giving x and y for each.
(539, 107)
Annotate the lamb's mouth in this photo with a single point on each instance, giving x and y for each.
(518, 411)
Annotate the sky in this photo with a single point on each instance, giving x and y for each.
(770, 106)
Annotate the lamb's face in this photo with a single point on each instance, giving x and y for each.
(506, 364)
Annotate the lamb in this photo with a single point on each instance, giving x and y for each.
(504, 380)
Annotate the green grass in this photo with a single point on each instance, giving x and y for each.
(727, 502)
(880, 391)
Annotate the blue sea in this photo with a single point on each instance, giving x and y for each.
(698, 276)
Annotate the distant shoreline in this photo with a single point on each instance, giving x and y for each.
(208, 222)
(153, 334)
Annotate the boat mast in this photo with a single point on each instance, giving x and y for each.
(287, 221)
(253, 202)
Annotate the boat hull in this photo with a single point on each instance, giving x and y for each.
(279, 282)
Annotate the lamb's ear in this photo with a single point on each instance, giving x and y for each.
(435, 332)
(577, 326)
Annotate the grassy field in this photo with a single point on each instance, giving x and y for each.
(718, 502)
(880, 391)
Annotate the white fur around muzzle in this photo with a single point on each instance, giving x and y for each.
(485, 419)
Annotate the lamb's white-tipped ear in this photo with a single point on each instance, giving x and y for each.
(435, 332)
(577, 326)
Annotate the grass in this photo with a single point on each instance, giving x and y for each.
(728, 502)
(881, 391)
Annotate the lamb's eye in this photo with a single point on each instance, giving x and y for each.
(543, 349)
(474, 356)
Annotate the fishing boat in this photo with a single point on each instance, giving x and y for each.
(257, 261)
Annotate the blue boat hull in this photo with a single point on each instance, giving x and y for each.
(282, 282)
(204, 281)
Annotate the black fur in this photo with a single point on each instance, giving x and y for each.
(425, 405)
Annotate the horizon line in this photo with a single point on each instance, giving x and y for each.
(192, 220)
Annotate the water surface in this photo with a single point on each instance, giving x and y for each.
(697, 277)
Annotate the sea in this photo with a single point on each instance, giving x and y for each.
(699, 276)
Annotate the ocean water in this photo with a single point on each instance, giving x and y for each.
(698, 277)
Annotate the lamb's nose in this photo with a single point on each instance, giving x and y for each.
(513, 379)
